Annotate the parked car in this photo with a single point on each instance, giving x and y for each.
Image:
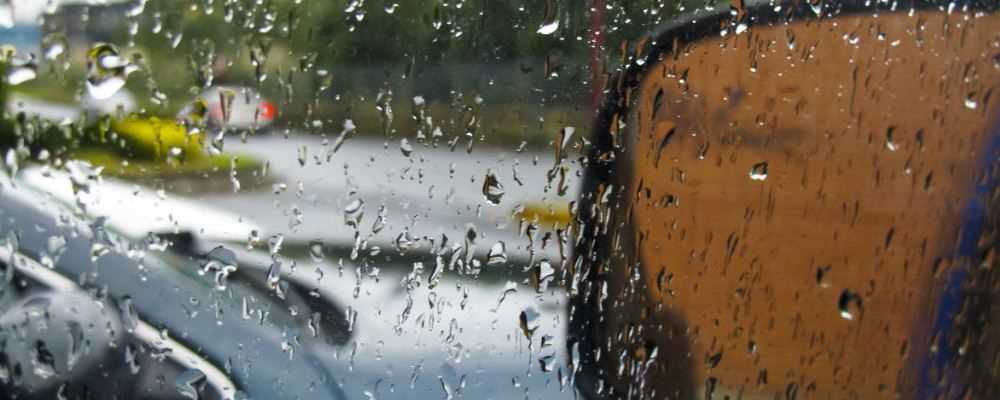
(237, 107)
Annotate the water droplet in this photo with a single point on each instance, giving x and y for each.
(353, 213)
(76, 344)
(316, 250)
(889, 143)
(22, 70)
(550, 21)
(816, 6)
(189, 382)
(714, 360)
(222, 262)
(436, 271)
(226, 98)
(132, 359)
(383, 103)
(274, 274)
(447, 389)
(541, 274)
(821, 275)
(303, 155)
(194, 116)
(529, 322)
(547, 28)
(136, 9)
(106, 71)
(380, 221)
(10, 161)
(274, 243)
(497, 254)
(759, 171)
(405, 147)
(130, 320)
(970, 101)
(565, 135)
(405, 242)
(492, 189)
(54, 46)
(314, 323)
(850, 305)
(42, 362)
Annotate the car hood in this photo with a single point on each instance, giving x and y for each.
(266, 361)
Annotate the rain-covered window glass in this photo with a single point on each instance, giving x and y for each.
(499, 199)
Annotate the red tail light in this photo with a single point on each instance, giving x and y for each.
(267, 111)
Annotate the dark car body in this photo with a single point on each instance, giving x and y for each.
(794, 199)
(169, 326)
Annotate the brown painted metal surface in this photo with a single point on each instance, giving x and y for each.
(870, 129)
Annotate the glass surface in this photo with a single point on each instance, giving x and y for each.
(371, 199)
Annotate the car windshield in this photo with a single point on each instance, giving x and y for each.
(501, 199)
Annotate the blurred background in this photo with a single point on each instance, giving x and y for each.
(381, 199)
(529, 63)
(367, 144)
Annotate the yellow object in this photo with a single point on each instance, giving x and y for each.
(156, 139)
(548, 215)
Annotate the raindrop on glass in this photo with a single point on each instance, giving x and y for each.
(405, 147)
(550, 21)
(492, 189)
(354, 212)
(889, 143)
(497, 254)
(970, 101)
(22, 70)
(316, 250)
(529, 321)
(188, 382)
(850, 305)
(106, 71)
(549, 27)
(54, 46)
(759, 171)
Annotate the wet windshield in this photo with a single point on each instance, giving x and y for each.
(500, 198)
